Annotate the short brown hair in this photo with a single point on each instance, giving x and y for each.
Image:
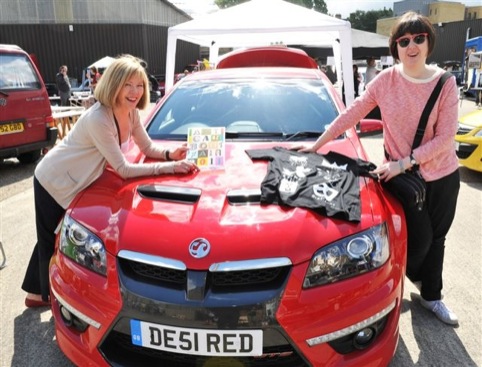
(116, 75)
(412, 23)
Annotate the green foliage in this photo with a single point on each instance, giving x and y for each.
(223, 4)
(367, 21)
(318, 5)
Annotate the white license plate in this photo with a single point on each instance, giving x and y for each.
(206, 342)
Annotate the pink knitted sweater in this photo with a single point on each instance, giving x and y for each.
(401, 100)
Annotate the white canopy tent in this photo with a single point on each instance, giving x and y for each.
(263, 23)
(103, 63)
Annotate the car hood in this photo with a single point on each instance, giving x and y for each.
(162, 215)
(472, 119)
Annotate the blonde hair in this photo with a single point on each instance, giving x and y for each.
(116, 75)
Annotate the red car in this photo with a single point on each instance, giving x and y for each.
(27, 127)
(215, 269)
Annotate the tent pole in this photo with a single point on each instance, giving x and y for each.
(170, 59)
(347, 65)
(213, 54)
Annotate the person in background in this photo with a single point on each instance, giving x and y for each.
(357, 78)
(371, 71)
(63, 85)
(101, 136)
(410, 83)
(370, 74)
(93, 75)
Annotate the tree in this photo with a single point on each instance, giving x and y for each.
(367, 21)
(318, 5)
(223, 4)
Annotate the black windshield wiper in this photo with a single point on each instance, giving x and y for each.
(251, 134)
(302, 134)
(4, 93)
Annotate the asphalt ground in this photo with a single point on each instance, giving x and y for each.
(27, 336)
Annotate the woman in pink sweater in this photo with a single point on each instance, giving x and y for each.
(402, 92)
(101, 136)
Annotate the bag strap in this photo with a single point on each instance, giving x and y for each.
(428, 109)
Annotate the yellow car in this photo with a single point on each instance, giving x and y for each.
(469, 140)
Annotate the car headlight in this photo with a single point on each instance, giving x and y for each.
(349, 257)
(82, 246)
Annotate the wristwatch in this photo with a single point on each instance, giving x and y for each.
(413, 162)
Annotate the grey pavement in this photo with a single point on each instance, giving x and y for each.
(27, 336)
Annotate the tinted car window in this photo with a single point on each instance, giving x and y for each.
(16, 73)
(266, 106)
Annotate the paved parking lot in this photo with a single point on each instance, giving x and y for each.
(27, 335)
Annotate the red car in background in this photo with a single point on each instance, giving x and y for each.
(198, 270)
(27, 127)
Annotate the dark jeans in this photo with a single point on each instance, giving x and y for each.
(426, 234)
(48, 214)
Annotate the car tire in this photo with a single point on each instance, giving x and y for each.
(30, 157)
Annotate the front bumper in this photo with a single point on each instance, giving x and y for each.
(288, 315)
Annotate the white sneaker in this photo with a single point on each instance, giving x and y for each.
(441, 311)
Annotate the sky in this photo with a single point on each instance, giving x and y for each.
(196, 8)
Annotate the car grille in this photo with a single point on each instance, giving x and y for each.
(220, 300)
(156, 272)
(120, 351)
(217, 279)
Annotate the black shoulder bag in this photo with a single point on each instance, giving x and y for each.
(410, 187)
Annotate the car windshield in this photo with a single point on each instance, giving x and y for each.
(17, 73)
(257, 108)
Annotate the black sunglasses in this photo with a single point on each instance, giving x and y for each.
(418, 38)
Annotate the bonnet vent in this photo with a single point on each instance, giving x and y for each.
(170, 193)
(240, 197)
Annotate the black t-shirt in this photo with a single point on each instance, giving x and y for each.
(327, 184)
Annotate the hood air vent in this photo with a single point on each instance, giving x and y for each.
(240, 197)
(170, 193)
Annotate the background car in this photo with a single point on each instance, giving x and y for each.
(154, 88)
(469, 140)
(26, 123)
(200, 270)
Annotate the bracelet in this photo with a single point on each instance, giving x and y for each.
(167, 155)
(400, 163)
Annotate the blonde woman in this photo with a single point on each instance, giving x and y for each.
(100, 137)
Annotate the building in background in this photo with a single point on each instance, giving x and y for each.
(453, 22)
(438, 12)
(78, 32)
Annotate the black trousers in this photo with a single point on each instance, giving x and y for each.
(426, 234)
(48, 214)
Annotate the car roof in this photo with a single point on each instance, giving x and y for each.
(256, 73)
(278, 56)
(7, 47)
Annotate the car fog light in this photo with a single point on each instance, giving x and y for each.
(79, 320)
(364, 337)
(66, 315)
(355, 328)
